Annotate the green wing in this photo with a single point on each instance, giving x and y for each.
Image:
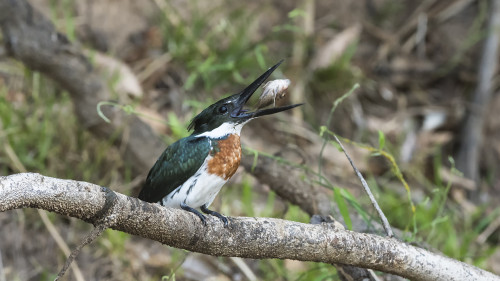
(177, 163)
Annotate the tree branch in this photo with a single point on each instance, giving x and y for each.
(284, 180)
(256, 238)
(380, 213)
(471, 137)
(32, 39)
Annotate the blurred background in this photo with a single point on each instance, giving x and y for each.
(424, 112)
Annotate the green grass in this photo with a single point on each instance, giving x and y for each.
(40, 133)
(213, 51)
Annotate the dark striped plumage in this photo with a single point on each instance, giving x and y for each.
(176, 164)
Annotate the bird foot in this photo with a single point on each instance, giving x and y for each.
(194, 211)
(205, 210)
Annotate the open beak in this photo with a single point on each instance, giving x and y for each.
(245, 95)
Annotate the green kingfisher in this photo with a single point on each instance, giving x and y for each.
(191, 171)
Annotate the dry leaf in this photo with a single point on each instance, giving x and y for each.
(124, 80)
(334, 49)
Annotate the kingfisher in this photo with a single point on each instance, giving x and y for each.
(190, 172)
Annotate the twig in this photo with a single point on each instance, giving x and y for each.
(284, 178)
(384, 220)
(494, 225)
(154, 66)
(328, 122)
(60, 242)
(96, 232)
(396, 171)
(452, 10)
(105, 219)
(247, 271)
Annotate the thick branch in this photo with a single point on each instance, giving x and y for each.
(284, 180)
(256, 238)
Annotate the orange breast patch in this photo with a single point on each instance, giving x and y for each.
(226, 158)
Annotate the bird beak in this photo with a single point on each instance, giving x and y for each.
(243, 97)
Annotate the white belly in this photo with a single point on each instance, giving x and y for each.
(196, 191)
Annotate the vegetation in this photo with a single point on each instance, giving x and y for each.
(214, 50)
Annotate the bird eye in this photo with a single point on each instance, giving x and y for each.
(223, 109)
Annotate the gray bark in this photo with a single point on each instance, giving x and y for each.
(257, 238)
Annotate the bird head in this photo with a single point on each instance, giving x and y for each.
(228, 113)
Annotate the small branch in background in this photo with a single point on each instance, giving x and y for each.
(285, 181)
(245, 269)
(105, 219)
(384, 220)
(472, 133)
(492, 227)
(96, 232)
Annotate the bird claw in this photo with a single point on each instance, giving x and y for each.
(224, 220)
(194, 211)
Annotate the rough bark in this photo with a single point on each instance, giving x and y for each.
(284, 181)
(257, 238)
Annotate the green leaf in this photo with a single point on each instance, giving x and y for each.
(322, 130)
(176, 126)
(99, 111)
(128, 109)
(190, 81)
(271, 198)
(238, 78)
(337, 145)
(255, 159)
(247, 199)
(259, 55)
(454, 169)
(344, 96)
(355, 204)
(344, 211)
(381, 140)
(296, 13)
